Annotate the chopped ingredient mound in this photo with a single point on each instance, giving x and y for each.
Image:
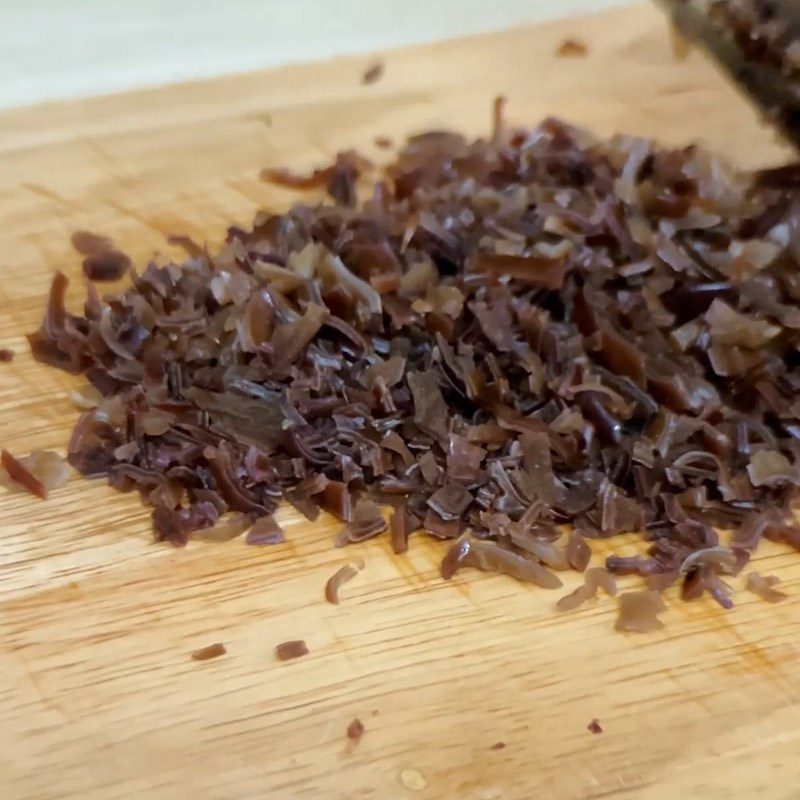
(495, 337)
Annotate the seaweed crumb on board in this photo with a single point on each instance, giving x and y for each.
(572, 48)
(355, 730)
(594, 726)
(372, 74)
(294, 648)
(211, 651)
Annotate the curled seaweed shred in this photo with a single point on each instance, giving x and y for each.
(492, 557)
(717, 558)
(455, 557)
(335, 582)
(499, 336)
(295, 180)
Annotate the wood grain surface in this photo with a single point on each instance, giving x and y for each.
(99, 697)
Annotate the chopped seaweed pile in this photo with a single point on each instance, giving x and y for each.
(496, 337)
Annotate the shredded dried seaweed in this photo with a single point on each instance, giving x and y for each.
(335, 582)
(495, 337)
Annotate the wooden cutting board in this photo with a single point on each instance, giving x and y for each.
(99, 697)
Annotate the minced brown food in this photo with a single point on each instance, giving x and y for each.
(494, 336)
